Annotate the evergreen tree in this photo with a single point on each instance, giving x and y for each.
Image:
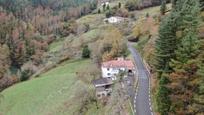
(99, 11)
(147, 15)
(108, 7)
(163, 7)
(186, 63)
(166, 43)
(166, 46)
(119, 5)
(189, 45)
(104, 7)
(164, 79)
(86, 52)
(177, 5)
(202, 4)
(173, 3)
(163, 100)
(183, 61)
(189, 48)
(162, 95)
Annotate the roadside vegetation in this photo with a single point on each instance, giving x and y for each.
(179, 64)
(176, 66)
(163, 41)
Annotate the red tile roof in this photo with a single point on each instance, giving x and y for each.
(119, 63)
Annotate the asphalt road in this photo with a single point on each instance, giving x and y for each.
(142, 100)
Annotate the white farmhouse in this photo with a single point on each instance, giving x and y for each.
(102, 2)
(110, 69)
(106, 3)
(114, 19)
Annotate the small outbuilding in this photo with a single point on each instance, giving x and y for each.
(103, 87)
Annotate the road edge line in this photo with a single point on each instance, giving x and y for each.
(152, 110)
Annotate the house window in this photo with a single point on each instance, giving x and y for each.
(108, 74)
(108, 69)
(129, 71)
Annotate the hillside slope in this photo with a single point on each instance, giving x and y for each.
(56, 92)
(16, 5)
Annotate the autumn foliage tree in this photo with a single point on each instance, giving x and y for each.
(185, 63)
(4, 60)
(113, 44)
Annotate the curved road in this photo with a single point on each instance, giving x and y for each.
(142, 100)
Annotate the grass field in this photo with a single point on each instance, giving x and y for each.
(53, 93)
(94, 20)
(56, 46)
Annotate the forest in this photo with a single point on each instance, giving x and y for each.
(28, 27)
(179, 60)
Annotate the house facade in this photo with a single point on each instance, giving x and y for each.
(111, 69)
(114, 20)
(102, 2)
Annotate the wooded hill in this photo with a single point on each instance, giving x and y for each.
(16, 5)
(28, 27)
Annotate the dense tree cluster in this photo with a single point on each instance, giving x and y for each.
(28, 27)
(114, 11)
(110, 46)
(179, 60)
(19, 5)
(141, 4)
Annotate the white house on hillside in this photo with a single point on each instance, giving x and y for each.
(102, 2)
(110, 69)
(114, 19)
(106, 3)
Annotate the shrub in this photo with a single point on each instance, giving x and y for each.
(147, 15)
(131, 5)
(108, 7)
(137, 32)
(99, 11)
(86, 52)
(110, 13)
(132, 16)
(122, 12)
(119, 5)
(25, 75)
(104, 7)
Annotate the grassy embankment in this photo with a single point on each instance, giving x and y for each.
(54, 92)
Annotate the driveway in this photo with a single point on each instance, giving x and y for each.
(142, 100)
